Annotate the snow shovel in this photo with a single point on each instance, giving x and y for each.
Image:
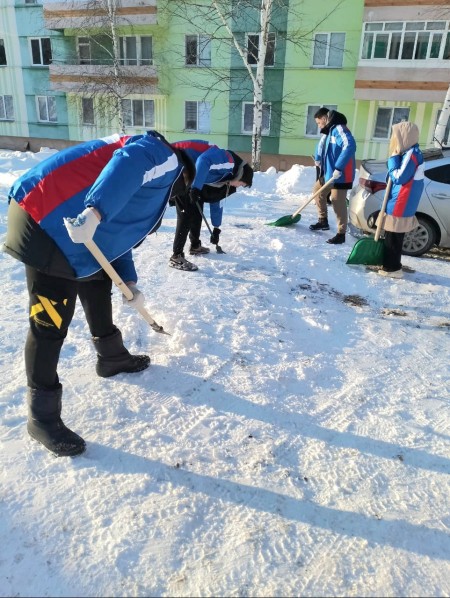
(295, 217)
(218, 247)
(101, 259)
(370, 251)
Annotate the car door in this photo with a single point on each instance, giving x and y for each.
(437, 189)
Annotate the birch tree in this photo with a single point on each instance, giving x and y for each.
(441, 126)
(224, 18)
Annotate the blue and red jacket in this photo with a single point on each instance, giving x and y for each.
(338, 151)
(407, 174)
(127, 179)
(212, 165)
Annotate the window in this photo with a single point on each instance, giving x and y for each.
(30, 1)
(253, 49)
(6, 108)
(136, 50)
(386, 117)
(197, 116)
(41, 51)
(84, 50)
(311, 125)
(410, 40)
(441, 174)
(2, 53)
(329, 50)
(247, 118)
(197, 50)
(87, 111)
(138, 113)
(46, 109)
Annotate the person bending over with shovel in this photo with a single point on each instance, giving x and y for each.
(336, 159)
(109, 193)
(218, 173)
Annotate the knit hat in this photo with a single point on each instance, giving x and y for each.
(247, 175)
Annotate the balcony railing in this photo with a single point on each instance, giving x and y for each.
(75, 77)
(77, 14)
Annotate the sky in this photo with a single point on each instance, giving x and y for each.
(290, 438)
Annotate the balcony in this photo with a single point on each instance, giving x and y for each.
(87, 78)
(82, 14)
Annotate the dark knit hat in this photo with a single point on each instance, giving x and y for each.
(247, 175)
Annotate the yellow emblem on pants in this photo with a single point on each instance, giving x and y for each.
(46, 306)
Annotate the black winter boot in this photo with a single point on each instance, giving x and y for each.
(322, 224)
(46, 426)
(337, 239)
(113, 358)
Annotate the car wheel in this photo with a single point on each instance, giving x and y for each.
(419, 240)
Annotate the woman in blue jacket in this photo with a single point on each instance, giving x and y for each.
(114, 191)
(405, 169)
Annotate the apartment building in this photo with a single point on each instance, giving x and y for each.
(29, 107)
(71, 71)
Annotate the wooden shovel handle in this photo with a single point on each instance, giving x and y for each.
(325, 186)
(383, 209)
(101, 259)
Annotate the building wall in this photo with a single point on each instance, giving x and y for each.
(291, 85)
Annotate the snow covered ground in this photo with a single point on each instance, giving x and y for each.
(291, 437)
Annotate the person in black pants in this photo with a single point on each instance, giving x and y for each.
(111, 191)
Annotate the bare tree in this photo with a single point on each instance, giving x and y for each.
(103, 74)
(222, 21)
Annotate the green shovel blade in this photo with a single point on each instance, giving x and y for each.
(367, 252)
(285, 221)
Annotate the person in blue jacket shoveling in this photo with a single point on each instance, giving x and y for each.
(218, 173)
(112, 192)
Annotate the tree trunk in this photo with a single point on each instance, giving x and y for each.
(439, 132)
(265, 14)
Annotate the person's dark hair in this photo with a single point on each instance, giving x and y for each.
(247, 175)
(188, 165)
(321, 112)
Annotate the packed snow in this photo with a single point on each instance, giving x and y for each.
(291, 437)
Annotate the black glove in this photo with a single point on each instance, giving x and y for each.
(195, 195)
(214, 239)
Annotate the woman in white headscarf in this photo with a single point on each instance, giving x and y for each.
(405, 169)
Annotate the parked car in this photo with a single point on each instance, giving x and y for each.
(433, 213)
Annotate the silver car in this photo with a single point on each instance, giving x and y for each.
(433, 212)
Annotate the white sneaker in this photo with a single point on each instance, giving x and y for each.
(394, 274)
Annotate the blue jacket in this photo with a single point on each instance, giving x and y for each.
(407, 174)
(338, 151)
(212, 165)
(127, 179)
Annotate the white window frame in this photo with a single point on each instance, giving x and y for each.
(138, 59)
(130, 120)
(203, 51)
(264, 131)
(84, 110)
(41, 51)
(6, 108)
(328, 46)
(372, 30)
(49, 100)
(392, 120)
(202, 118)
(272, 35)
(314, 108)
